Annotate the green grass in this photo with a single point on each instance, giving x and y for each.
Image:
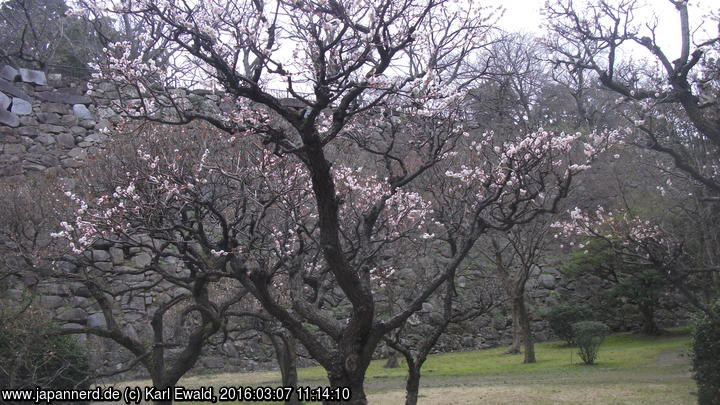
(618, 351)
(630, 369)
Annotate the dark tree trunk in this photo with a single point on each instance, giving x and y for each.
(286, 354)
(517, 332)
(161, 385)
(525, 330)
(412, 385)
(348, 371)
(392, 360)
(357, 389)
(649, 327)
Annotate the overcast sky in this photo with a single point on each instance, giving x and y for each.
(525, 16)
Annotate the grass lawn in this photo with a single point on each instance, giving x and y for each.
(631, 370)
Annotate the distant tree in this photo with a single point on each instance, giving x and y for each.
(40, 34)
(513, 256)
(672, 109)
(563, 316)
(459, 302)
(646, 250)
(641, 285)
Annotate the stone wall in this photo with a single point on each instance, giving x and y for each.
(548, 287)
(50, 124)
(46, 123)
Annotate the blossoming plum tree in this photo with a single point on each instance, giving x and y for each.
(640, 243)
(672, 104)
(312, 236)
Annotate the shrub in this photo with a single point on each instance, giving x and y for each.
(31, 356)
(706, 352)
(588, 336)
(561, 318)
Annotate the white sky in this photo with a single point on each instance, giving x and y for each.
(524, 16)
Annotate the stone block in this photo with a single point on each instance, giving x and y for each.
(9, 73)
(214, 362)
(33, 76)
(137, 303)
(547, 281)
(45, 139)
(78, 130)
(50, 301)
(33, 167)
(68, 120)
(4, 101)
(468, 341)
(13, 90)
(104, 266)
(75, 315)
(82, 291)
(96, 138)
(55, 129)
(48, 118)
(88, 124)
(80, 302)
(126, 274)
(100, 256)
(20, 106)
(8, 118)
(28, 120)
(12, 148)
(72, 163)
(62, 97)
(96, 320)
(65, 140)
(58, 108)
(78, 153)
(28, 131)
(230, 350)
(53, 289)
(11, 170)
(15, 295)
(82, 112)
(117, 256)
(142, 259)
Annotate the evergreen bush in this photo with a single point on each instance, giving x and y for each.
(588, 336)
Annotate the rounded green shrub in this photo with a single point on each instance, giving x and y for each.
(705, 358)
(588, 336)
(562, 317)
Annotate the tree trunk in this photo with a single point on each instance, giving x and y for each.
(348, 371)
(649, 327)
(357, 389)
(286, 354)
(517, 333)
(392, 360)
(412, 385)
(525, 330)
(161, 386)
